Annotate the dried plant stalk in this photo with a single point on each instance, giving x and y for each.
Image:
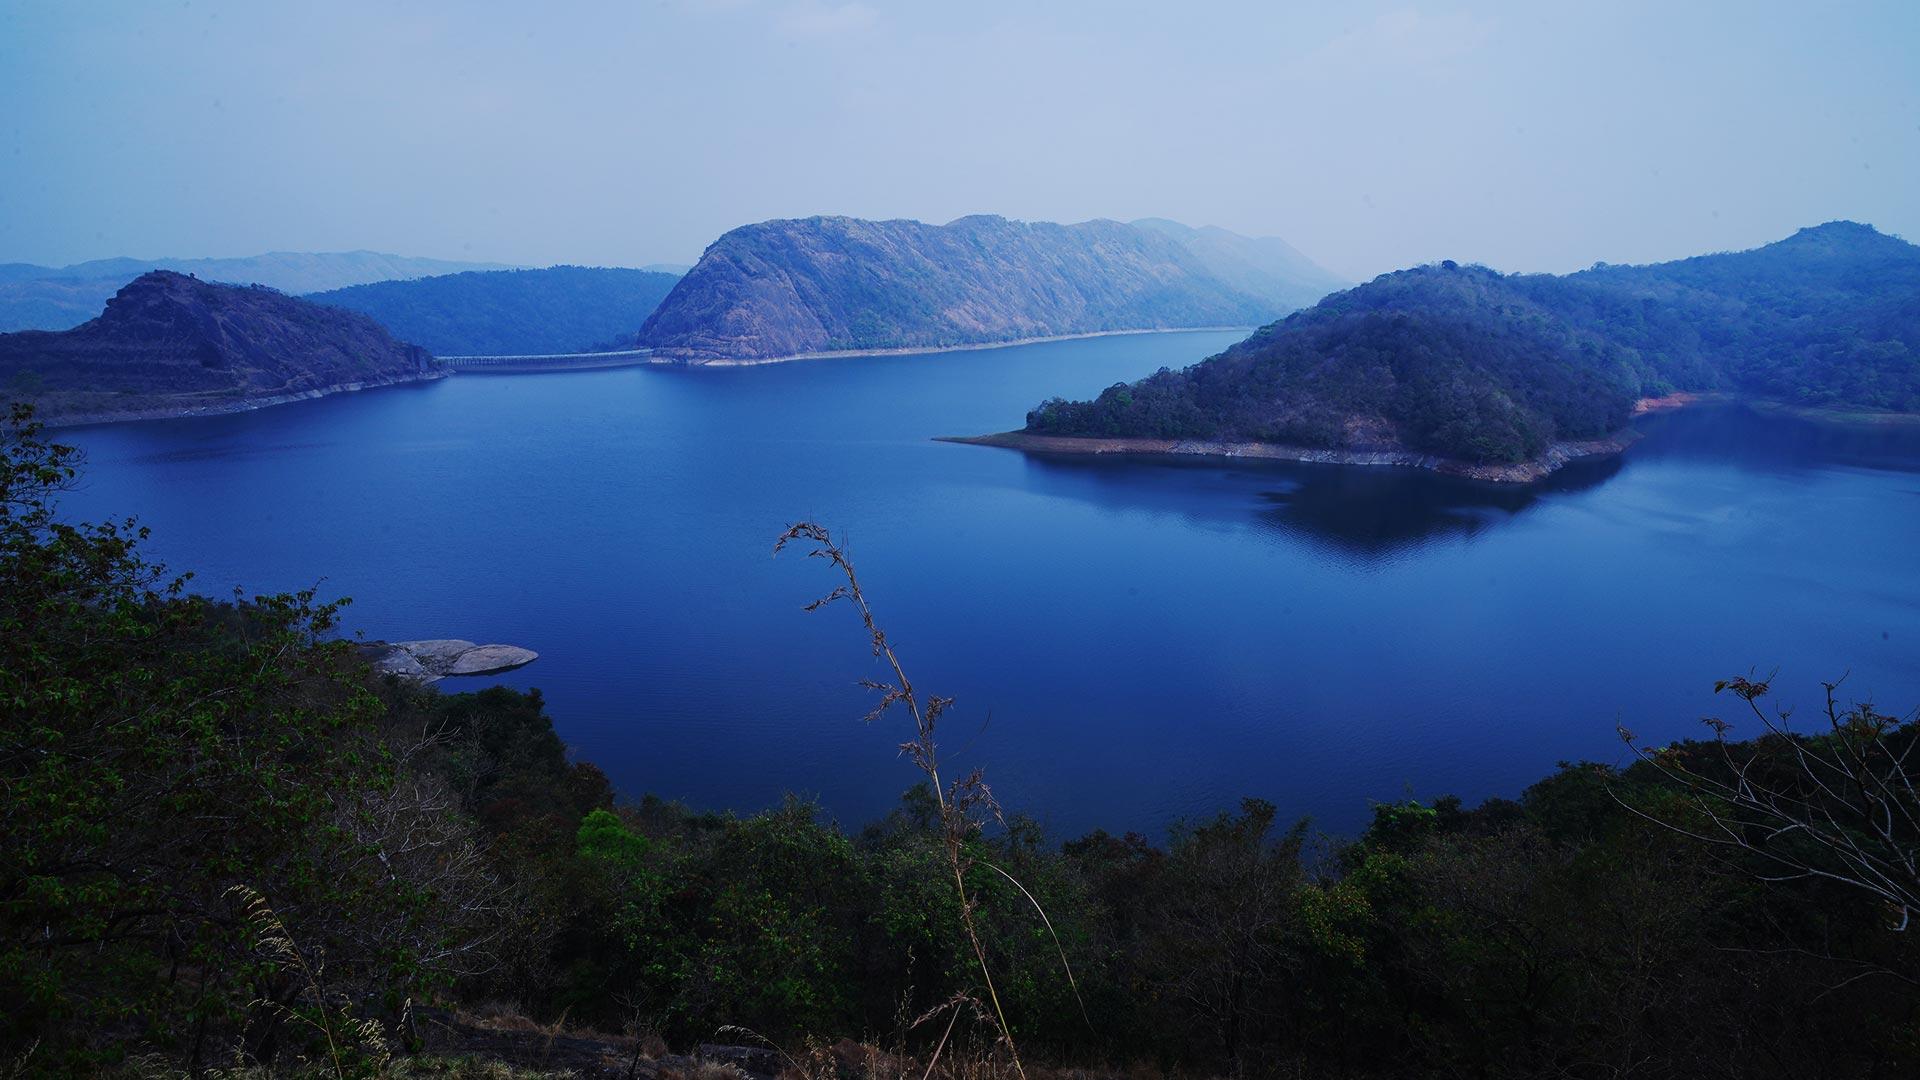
(959, 803)
(1840, 804)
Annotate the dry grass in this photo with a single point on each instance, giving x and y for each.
(405, 1068)
(347, 1037)
(965, 804)
(703, 1070)
(971, 1060)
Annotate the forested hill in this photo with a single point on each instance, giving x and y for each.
(169, 343)
(510, 312)
(824, 284)
(1468, 363)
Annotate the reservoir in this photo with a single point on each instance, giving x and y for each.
(1129, 641)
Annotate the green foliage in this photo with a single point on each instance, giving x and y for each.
(156, 750)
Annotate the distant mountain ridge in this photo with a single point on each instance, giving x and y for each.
(58, 298)
(1481, 367)
(1267, 266)
(170, 344)
(510, 312)
(288, 271)
(797, 287)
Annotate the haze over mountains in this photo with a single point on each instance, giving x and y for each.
(773, 289)
(1264, 266)
(169, 344)
(798, 287)
(510, 312)
(288, 271)
(57, 298)
(1456, 361)
(1465, 362)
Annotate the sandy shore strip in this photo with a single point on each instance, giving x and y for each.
(923, 350)
(201, 406)
(1520, 472)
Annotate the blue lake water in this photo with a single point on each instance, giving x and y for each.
(1129, 641)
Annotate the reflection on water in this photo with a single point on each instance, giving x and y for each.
(1376, 513)
(1777, 443)
(1384, 513)
(1368, 513)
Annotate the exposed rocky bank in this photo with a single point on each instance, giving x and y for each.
(432, 659)
(1519, 472)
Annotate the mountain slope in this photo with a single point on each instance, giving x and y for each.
(57, 298)
(169, 344)
(824, 284)
(1266, 267)
(1484, 367)
(510, 312)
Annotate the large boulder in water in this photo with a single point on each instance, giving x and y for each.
(488, 659)
(432, 659)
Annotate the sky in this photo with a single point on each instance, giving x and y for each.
(1527, 136)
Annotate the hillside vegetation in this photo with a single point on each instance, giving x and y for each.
(168, 343)
(823, 284)
(510, 312)
(1468, 363)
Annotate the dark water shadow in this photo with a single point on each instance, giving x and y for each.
(1368, 513)
(1382, 513)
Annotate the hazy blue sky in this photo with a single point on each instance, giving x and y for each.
(1534, 135)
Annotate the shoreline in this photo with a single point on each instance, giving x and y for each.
(1518, 472)
(924, 350)
(1833, 415)
(1532, 470)
(227, 408)
(1838, 415)
(535, 367)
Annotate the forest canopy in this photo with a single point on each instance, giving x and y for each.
(511, 312)
(1468, 363)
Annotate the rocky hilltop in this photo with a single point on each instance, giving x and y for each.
(790, 288)
(1466, 369)
(169, 344)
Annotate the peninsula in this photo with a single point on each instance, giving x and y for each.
(1465, 370)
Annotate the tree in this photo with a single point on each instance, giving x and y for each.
(1838, 806)
(159, 749)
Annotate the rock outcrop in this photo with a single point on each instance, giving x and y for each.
(783, 289)
(433, 659)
